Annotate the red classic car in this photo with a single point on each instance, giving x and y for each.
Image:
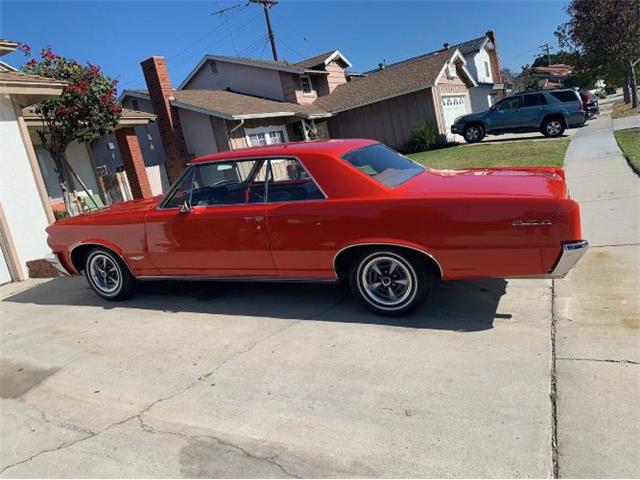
(325, 211)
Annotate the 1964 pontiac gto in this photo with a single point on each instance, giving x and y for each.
(326, 211)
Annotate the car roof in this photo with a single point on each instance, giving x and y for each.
(336, 148)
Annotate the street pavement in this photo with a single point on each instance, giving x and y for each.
(266, 380)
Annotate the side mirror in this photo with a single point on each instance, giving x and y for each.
(185, 207)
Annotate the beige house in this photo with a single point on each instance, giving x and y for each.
(229, 102)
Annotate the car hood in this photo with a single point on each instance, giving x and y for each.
(471, 117)
(499, 181)
(128, 208)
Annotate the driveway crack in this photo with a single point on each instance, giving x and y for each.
(553, 391)
(224, 443)
(91, 434)
(606, 360)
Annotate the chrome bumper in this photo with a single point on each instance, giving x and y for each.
(571, 253)
(55, 263)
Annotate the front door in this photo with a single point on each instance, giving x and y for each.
(213, 224)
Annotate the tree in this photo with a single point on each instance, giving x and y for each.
(86, 110)
(607, 34)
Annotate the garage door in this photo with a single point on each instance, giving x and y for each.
(453, 106)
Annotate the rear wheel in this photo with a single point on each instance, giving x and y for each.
(108, 275)
(390, 282)
(553, 127)
(473, 133)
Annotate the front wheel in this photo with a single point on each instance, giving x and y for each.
(473, 133)
(390, 283)
(108, 275)
(553, 127)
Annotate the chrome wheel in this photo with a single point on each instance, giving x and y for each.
(105, 274)
(387, 281)
(554, 128)
(472, 134)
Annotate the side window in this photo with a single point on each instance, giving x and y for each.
(290, 182)
(181, 192)
(508, 103)
(533, 100)
(227, 183)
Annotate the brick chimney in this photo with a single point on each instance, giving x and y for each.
(494, 57)
(160, 89)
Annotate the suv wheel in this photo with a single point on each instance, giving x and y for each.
(108, 275)
(473, 133)
(390, 283)
(553, 127)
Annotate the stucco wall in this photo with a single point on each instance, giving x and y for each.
(198, 133)
(240, 78)
(77, 156)
(18, 192)
(390, 121)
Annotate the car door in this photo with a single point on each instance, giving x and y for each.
(532, 110)
(213, 223)
(298, 215)
(504, 115)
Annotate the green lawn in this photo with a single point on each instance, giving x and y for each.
(629, 141)
(544, 152)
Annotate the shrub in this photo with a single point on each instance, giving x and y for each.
(424, 137)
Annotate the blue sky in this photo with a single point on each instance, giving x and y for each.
(117, 35)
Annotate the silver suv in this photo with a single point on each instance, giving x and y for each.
(547, 111)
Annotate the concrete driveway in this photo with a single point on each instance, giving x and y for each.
(239, 380)
(495, 378)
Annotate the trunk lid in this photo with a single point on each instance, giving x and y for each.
(497, 181)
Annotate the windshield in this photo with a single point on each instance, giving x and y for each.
(384, 164)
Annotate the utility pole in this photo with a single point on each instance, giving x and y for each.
(266, 5)
(545, 47)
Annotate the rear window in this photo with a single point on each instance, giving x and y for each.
(384, 164)
(565, 96)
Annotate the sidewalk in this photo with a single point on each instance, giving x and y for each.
(596, 315)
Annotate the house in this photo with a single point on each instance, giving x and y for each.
(227, 103)
(24, 206)
(552, 76)
(482, 62)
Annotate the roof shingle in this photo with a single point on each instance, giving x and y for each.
(392, 81)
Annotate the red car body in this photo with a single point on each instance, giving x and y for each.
(474, 223)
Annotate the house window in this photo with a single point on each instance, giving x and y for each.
(486, 69)
(213, 66)
(305, 84)
(260, 136)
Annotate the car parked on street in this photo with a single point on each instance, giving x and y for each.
(547, 111)
(352, 210)
(589, 103)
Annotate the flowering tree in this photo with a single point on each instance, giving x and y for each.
(86, 110)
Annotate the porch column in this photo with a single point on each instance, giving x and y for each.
(133, 162)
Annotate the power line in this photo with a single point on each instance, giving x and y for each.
(190, 57)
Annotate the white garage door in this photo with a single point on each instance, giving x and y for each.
(453, 106)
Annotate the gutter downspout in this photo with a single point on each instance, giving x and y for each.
(230, 133)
